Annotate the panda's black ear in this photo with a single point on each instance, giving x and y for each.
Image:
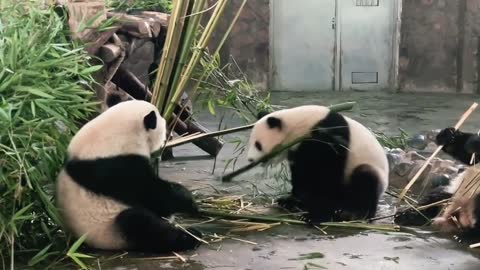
(150, 120)
(262, 114)
(113, 99)
(274, 122)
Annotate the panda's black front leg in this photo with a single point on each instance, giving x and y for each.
(146, 232)
(318, 214)
(289, 202)
(460, 145)
(174, 198)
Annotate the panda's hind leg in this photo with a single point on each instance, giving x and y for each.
(146, 232)
(362, 194)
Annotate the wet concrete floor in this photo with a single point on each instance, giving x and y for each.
(299, 247)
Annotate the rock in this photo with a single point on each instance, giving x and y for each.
(417, 142)
(393, 160)
(417, 164)
(412, 155)
(440, 180)
(397, 151)
(431, 147)
(431, 135)
(403, 168)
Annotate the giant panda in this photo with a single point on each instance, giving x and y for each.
(108, 191)
(465, 204)
(338, 172)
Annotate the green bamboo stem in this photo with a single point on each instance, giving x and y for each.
(220, 45)
(180, 141)
(197, 53)
(192, 28)
(228, 177)
(174, 33)
(352, 225)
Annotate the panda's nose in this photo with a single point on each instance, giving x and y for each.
(250, 160)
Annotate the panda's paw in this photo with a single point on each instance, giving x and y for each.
(446, 136)
(186, 241)
(288, 202)
(307, 218)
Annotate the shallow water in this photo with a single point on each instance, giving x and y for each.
(282, 248)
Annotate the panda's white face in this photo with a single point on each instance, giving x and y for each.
(130, 127)
(157, 136)
(267, 133)
(281, 128)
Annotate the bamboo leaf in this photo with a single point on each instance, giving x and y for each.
(211, 107)
(40, 256)
(91, 69)
(73, 249)
(33, 91)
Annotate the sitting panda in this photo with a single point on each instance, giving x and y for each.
(108, 190)
(465, 204)
(338, 172)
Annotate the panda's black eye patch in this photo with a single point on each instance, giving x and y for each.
(258, 146)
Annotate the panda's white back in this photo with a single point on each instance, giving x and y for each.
(85, 212)
(365, 149)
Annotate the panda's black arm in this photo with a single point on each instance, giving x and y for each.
(130, 179)
(459, 145)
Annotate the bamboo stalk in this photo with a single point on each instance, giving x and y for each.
(217, 51)
(191, 31)
(220, 45)
(194, 137)
(228, 177)
(196, 56)
(417, 175)
(353, 225)
(174, 32)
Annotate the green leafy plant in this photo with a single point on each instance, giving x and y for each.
(43, 96)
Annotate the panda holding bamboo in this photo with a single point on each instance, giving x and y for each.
(338, 172)
(461, 216)
(108, 191)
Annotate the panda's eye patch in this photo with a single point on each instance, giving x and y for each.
(258, 146)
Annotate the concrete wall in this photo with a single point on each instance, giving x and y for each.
(438, 50)
(439, 44)
(248, 42)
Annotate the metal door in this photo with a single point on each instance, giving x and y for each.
(367, 35)
(302, 45)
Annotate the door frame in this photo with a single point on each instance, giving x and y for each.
(337, 61)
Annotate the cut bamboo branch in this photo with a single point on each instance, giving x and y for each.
(184, 140)
(352, 225)
(417, 175)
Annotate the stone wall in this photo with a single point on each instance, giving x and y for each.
(438, 47)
